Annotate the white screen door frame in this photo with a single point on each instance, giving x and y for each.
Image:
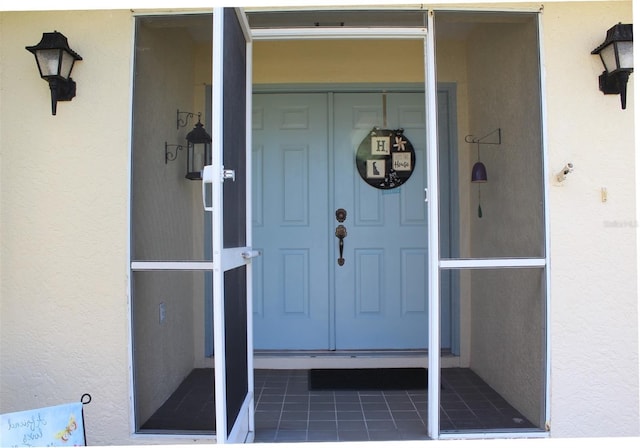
(233, 425)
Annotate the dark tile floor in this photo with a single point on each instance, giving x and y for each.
(189, 409)
(287, 411)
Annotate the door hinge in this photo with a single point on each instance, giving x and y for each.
(426, 195)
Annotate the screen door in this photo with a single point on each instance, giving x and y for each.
(228, 182)
(190, 250)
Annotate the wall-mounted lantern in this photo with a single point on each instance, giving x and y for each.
(198, 151)
(616, 53)
(55, 61)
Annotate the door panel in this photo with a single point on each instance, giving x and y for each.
(303, 299)
(290, 221)
(381, 290)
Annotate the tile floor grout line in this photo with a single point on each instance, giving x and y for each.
(393, 419)
(277, 433)
(335, 414)
(364, 417)
(415, 408)
(309, 410)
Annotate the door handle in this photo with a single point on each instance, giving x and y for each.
(341, 233)
(249, 254)
(207, 178)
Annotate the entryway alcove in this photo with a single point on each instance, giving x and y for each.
(315, 98)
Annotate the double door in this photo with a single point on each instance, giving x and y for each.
(304, 176)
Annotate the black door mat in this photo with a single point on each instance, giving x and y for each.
(414, 378)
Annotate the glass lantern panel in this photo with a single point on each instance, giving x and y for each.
(48, 62)
(625, 54)
(608, 56)
(196, 159)
(67, 65)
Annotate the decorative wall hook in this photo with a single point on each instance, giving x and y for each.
(495, 136)
(182, 122)
(169, 155)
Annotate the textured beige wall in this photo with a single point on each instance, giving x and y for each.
(504, 92)
(594, 295)
(64, 218)
(337, 61)
(64, 194)
(507, 321)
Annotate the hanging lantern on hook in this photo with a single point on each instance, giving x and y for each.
(198, 151)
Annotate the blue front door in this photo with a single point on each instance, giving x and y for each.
(381, 290)
(290, 203)
(304, 169)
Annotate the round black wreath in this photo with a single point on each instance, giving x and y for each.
(385, 159)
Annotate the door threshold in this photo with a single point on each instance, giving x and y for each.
(327, 359)
(350, 353)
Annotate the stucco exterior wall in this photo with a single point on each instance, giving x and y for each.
(64, 194)
(594, 295)
(64, 187)
(337, 61)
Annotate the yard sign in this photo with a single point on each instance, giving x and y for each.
(60, 425)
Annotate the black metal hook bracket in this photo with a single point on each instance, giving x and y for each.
(169, 155)
(482, 140)
(182, 122)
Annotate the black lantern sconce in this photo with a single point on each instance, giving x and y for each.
(479, 171)
(55, 61)
(616, 53)
(198, 150)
